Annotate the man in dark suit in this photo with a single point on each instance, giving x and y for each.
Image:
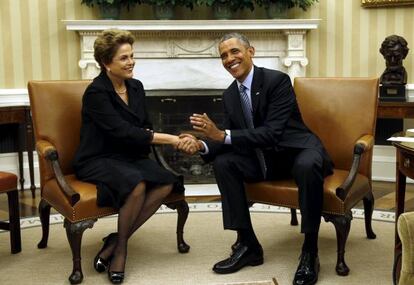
(264, 138)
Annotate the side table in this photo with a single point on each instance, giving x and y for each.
(404, 169)
(21, 115)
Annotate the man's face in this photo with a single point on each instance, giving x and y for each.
(236, 58)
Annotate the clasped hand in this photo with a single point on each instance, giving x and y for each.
(187, 144)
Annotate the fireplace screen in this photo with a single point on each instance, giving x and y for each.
(170, 114)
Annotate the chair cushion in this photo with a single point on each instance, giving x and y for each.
(8, 182)
(285, 192)
(84, 209)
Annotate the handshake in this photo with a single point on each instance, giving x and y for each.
(189, 144)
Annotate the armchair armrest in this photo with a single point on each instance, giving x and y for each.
(362, 145)
(46, 150)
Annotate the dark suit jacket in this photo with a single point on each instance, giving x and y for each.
(277, 119)
(109, 126)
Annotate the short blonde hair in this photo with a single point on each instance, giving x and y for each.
(107, 44)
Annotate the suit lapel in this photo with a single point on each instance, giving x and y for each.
(256, 91)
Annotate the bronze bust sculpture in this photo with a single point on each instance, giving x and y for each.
(394, 49)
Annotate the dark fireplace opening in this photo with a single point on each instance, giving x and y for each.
(169, 111)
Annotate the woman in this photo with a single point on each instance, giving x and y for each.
(114, 146)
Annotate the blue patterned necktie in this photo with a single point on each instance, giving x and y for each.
(248, 116)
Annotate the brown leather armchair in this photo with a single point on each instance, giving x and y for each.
(342, 112)
(56, 111)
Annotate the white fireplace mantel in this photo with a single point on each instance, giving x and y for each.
(192, 25)
(180, 54)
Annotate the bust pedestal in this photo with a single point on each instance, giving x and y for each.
(392, 93)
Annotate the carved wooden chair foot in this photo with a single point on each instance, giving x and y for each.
(182, 211)
(44, 214)
(342, 227)
(74, 233)
(368, 210)
(293, 217)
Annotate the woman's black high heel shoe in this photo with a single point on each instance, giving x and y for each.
(101, 264)
(116, 277)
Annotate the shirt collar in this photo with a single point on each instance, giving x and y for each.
(248, 81)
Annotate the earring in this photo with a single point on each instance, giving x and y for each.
(109, 70)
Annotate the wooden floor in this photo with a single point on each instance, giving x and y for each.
(384, 193)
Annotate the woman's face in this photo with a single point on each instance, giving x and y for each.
(122, 64)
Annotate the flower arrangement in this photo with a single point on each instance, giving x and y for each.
(233, 4)
(303, 4)
(127, 3)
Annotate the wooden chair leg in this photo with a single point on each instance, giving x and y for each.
(368, 210)
(182, 211)
(342, 226)
(14, 219)
(74, 233)
(44, 214)
(293, 217)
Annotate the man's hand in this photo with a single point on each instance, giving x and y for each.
(205, 125)
(200, 145)
(187, 144)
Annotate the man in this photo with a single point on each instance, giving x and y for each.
(264, 139)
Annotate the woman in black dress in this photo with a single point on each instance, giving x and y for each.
(114, 146)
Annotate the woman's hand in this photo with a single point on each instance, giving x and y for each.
(189, 144)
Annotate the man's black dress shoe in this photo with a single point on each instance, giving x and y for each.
(308, 269)
(100, 264)
(241, 256)
(235, 245)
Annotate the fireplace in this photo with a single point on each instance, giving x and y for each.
(169, 111)
(179, 65)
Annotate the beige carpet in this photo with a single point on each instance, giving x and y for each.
(153, 258)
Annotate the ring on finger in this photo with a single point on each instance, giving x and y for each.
(205, 125)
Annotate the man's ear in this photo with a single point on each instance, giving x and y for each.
(251, 50)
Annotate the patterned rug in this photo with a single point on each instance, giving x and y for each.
(154, 260)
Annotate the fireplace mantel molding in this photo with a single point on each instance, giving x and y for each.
(280, 44)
